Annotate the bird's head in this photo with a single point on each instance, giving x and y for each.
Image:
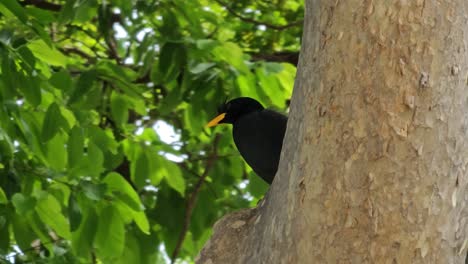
(229, 112)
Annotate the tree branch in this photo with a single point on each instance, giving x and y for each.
(115, 18)
(256, 22)
(284, 56)
(42, 5)
(193, 198)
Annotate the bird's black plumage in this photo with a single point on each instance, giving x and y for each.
(258, 133)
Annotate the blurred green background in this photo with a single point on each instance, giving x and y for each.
(104, 154)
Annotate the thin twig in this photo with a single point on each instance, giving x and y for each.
(185, 168)
(193, 198)
(256, 22)
(219, 157)
(112, 52)
(33, 248)
(90, 59)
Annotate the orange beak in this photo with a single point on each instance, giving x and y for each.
(215, 121)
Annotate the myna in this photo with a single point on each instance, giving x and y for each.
(258, 133)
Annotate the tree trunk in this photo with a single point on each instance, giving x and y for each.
(374, 166)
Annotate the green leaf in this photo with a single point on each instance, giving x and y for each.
(147, 254)
(172, 59)
(5, 232)
(104, 139)
(91, 164)
(174, 177)
(95, 160)
(67, 12)
(29, 125)
(56, 152)
(113, 161)
(269, 86)
(141, 221)
(75, 146)
(44, 16)
(156, 168)
(131, 252)
(83, 86)
(110, 235)
(195, 119)
(189, 245)
(69, 118)
(206, 44)
(170, 28)
(140, 170)
(8, 77)
(127, 200)
(23, 233)
(150, 135)
(29, 87)
(170, 102)
(5, 34)
(74, 213)
(122, 77)
(85, 11)
(246, 84)
(3, 198)
(125, 212)
(61, 191)
(231, 53)
(201, 67)
(23, 204)
(40, 230)
(27, 56)
(83, 238)
(202, 218)
(118, 185)
(110, 69)
(94, 191)
(62, 80)
(286, 78)
(49, 210)
(126, 7)
(257, 187)
(104, 16)
(16, 9)
(53, 121)
(38, 28)
(119, 108)
(273, 67)
(43, 52)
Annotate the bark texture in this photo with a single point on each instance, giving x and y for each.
(374, 166)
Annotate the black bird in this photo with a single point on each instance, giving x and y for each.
(258, 133)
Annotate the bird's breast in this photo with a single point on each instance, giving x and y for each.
(259, 138)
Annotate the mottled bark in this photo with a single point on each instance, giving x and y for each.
(374, 166)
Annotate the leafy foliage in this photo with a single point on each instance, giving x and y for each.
(87, 171)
